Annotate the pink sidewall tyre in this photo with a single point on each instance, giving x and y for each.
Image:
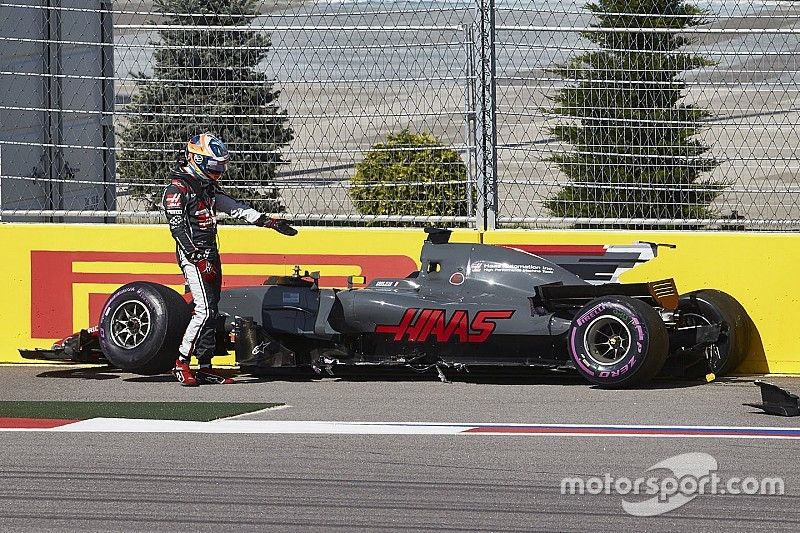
(618, 342)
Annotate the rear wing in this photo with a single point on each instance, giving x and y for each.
(558, 297)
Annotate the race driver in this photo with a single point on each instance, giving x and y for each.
(191, 201)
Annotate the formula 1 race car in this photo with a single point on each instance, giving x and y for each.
(469, 306)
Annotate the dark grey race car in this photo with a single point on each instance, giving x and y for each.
(470, 306)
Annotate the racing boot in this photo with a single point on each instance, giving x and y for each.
(184, 374)
(209, 376)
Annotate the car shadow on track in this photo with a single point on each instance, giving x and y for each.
(91, 373)
(157, 378)
(379, 375)
(103, 373)
(516, 377)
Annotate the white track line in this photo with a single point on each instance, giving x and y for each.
(257, 426)
(249, 413)
(228, 426)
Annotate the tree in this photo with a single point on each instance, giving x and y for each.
(206, 78)
(411, 174)
(635, 153)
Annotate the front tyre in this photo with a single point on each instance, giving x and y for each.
(141, 327)
(618, 341)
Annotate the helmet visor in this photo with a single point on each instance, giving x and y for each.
(217, 167)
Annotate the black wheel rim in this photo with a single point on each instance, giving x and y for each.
(607, 340)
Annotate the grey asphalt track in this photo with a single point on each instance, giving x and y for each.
(180, 482)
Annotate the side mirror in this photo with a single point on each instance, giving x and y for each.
(355, 280)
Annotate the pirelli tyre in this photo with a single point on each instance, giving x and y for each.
(141, 327)
(618, 341)
(709, 307)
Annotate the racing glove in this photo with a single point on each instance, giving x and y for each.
(208, 271)
(278, 224)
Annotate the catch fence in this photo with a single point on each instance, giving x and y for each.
(481, 113)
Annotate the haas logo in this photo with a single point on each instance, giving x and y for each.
(420, 325)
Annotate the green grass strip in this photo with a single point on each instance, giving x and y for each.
(193, 411)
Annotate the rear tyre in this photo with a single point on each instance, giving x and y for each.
(710, 306)
(617, 341)
(141, 327)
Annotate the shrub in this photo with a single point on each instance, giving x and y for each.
(411, 174)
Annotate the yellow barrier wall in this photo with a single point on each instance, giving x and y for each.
(57, 276)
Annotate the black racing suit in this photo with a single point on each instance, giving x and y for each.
(191, 205)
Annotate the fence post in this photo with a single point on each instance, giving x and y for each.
(486, 123)
(469, 117)
(54, 126)
(107, 119)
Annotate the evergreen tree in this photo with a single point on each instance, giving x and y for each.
(206, 78)
(635, 153)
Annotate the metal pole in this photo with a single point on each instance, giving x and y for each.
(486, 123)
(107, 118)
(47, 81)
(469, 118)
(52, 101)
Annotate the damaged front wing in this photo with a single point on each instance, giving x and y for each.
(80, 347)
